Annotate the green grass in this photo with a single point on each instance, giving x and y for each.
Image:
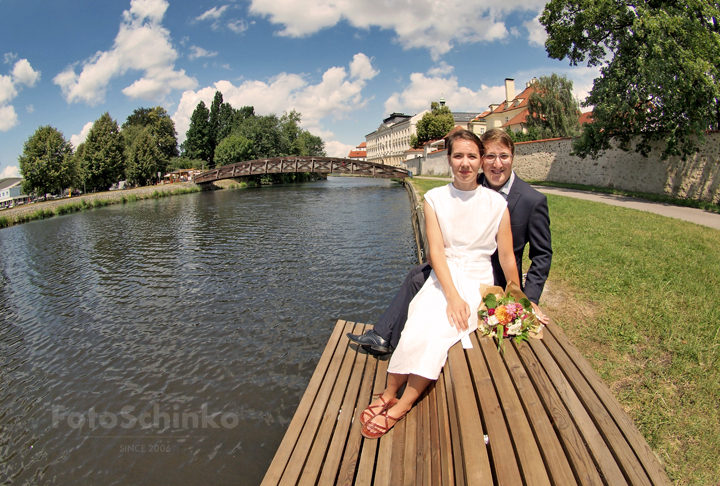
(691, 203)
(424, 185)
(85, 203)
(654, 335)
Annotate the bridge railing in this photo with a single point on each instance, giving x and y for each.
(324, 165)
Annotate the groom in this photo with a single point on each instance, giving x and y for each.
(530, 224)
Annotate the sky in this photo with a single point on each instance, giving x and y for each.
(343, 64)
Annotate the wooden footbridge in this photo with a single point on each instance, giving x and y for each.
(538, 415)
(284, 165)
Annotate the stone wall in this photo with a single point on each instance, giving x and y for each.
(696, 178)
(436, 164)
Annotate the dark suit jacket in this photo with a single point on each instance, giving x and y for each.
(530, 223)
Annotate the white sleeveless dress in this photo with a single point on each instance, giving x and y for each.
(469, 222)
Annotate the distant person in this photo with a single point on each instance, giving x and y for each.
(530, 224)
(461, 246)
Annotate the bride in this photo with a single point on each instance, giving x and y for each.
(465, 224)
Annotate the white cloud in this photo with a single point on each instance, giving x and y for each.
(142, 44)
(423, 90)
(200, 52)
(10, 57)
(335, 96)
(8, 118)
(436, 26)
(30, 109)
(238, 26)
(22, 74)
(441, 69)
(212, 14)
(76, 140)
(10, 171)
(536, 32)
(334, 148)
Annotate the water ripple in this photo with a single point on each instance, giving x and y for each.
(217, 303)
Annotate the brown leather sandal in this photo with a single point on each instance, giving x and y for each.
(369, 413)
(372, 430)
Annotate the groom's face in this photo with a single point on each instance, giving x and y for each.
(497, 172)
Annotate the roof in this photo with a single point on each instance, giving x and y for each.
(414, 150)
(464, 117)
(9, 182)
(456, 129)
(357, 154)
(586, 118)
(362, 145)
(522, 98)
(517, 119)
(482, 115)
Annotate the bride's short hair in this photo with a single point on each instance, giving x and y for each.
(463, 134)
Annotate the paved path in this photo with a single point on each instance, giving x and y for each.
(693, 215)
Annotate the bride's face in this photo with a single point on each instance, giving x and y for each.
(465, 163)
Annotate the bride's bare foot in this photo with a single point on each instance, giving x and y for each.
(384, 421)
(377, 407)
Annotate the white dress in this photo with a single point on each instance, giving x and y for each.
(469, 222)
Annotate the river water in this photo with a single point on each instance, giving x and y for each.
(169, 341)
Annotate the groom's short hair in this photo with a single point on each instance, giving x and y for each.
(498, 135)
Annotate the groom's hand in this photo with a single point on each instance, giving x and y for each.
(458, 312)
(539, 314)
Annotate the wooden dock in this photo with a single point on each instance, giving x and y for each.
(546, 417)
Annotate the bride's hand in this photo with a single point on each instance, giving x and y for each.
(539, 314)
(458, 312)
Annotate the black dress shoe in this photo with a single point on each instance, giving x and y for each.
(371, 339)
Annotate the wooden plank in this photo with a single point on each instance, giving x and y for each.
(383, 467)
(409, 465)
(304, 443)
(622, 451)
(635, 439)
(347, 414)
(474, 450)
(282, 456)
(346, 474)
(553, 454)
(397, 468)
(446, 452)
(500, 444)
(580, 459)
(458, 466)
(528, 453)
(330, 418)
(604, 459)
(425, 451)
(369, 446)
(434, 460)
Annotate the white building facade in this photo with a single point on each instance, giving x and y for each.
(388, 144)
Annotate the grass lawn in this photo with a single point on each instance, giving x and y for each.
(639, 294)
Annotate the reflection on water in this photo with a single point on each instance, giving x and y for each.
(169, 341)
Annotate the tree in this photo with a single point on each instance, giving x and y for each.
(552, 109)
(520, 136)
(660, 65)
(46, 162)
(233, 149)
(214, 122)
(144, 157)
(162, 129)
(434, 124)
(197, 143)
(103, 160)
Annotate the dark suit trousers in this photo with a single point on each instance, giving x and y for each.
(393, 320)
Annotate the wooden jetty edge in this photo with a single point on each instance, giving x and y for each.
(546, 416)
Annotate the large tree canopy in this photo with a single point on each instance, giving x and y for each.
(434, 125)
(660, 69)
(552, 109)
(161, 128)
(144, 158)
(197, 144)
(103, 161)
(46, 163)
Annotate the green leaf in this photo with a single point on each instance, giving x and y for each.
(527, 305)
(490, 301)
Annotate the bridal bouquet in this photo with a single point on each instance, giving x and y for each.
(507, 314)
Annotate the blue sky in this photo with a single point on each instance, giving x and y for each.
(344, 64)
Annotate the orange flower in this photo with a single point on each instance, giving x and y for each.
(502, 315)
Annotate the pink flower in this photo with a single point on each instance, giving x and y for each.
(491, 312)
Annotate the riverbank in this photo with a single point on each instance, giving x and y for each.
(48, 209)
